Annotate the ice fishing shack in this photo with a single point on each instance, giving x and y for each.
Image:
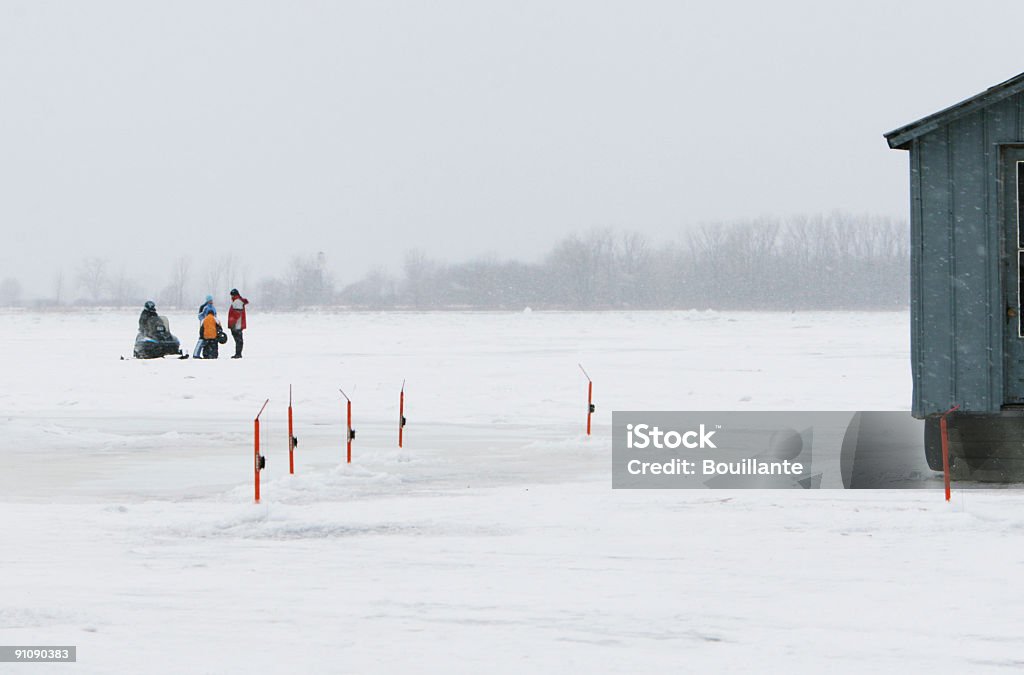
(967, 270)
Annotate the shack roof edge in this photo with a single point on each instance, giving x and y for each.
(901, 138)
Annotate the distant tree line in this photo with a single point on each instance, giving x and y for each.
(835, 261)
(824, 262)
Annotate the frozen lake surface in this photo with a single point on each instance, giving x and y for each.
(492, 541)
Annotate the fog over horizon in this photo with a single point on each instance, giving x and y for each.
(144, 133)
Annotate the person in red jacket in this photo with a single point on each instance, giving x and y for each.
(236, 320)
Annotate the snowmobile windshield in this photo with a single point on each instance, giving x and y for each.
(157, 327)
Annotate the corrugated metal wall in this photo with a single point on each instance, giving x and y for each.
(957, 306)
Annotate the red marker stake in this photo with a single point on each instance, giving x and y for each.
(291, 435)
(258, 460)
(401, 414)
(945, 447)
(590, 397)
(350, 433)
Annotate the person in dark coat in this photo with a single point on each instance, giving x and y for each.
(236, 320)
(148, 319)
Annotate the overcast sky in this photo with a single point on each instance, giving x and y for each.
(141, 131)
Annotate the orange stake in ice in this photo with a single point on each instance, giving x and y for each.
(590, 397)
(350, 433)
(259, 461)
(401, 414)
(292, 441)
(945, 447)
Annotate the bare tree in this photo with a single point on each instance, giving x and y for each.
(308, 281)
(179, 278)
(92, 275)
(376, 289)
(10, 292)
(123, 289)
(707, 276)
(221, 275)
(214, 277)
(273, 294)
(582, 269)
(242, 280)
(230, 266)
(58, 287)
(420, 272)
(633, 260)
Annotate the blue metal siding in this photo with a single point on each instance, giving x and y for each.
(957, 299)
(916, 276)
(936, 272)
(1002, 125)
(969, 263)
(992, 242)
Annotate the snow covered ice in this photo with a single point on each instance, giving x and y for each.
(492, 542)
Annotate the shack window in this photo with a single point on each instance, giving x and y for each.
(1020, 248)
(1020, 292)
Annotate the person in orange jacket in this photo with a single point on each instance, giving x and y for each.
(210, 344)
(208, 326)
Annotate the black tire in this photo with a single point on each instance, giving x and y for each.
(933, 442)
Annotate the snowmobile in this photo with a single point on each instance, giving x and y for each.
(156, 341)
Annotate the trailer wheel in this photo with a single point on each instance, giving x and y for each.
(933, 442)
